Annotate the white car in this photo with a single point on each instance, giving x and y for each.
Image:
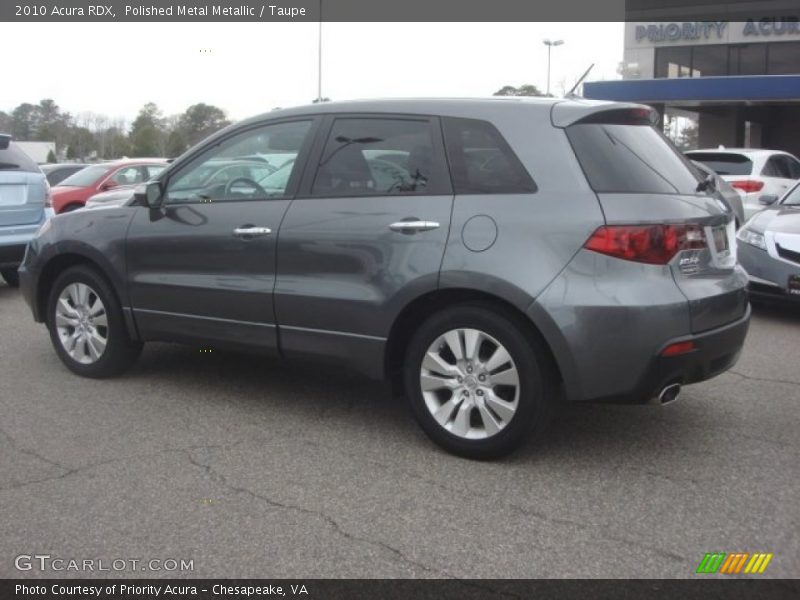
(753, 172)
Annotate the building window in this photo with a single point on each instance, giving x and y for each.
(784, 58)
(721, 60)
(673, 62)
(748, 59)
(709, 61)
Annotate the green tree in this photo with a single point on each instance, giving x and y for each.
(51, 157)
(24, 121)
(201, 120)
(176, 144)
(146, 131)
(81, 142)
(6, 122)
(523, 90)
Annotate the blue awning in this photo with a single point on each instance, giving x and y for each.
(722, 89)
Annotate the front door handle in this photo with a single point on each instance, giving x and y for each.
(413, 226)
(248, 231)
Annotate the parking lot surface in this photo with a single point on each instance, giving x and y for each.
(257, 468)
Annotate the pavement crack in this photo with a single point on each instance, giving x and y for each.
(332, 523)
(764, 379)
(68, 471)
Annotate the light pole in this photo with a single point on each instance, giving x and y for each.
(550, 44)
(319, 56)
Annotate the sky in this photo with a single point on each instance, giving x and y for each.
(250, 68)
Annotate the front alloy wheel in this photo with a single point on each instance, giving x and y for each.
(82, 323)
(86, 324)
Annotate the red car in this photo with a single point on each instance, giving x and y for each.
(73, 192)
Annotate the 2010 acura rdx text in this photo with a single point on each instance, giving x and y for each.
(497, 256)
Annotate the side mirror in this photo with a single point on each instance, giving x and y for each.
(148, 194)
(768, 199)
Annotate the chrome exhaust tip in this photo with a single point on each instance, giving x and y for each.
(669, 394)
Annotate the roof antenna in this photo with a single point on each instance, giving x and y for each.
(571, 93)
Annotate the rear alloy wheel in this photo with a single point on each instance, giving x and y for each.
(11, 277)
(86, 325)
(476, 385)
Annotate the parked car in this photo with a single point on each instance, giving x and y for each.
(24, 206)
(572, 258)
(73, 192)
(58, 172)
(752, 172)
(769, 248)
(730, 195)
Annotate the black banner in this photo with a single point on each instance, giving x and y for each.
(377, 589)
(391, 10)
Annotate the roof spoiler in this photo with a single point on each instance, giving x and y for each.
(5, 140)
(564, 114)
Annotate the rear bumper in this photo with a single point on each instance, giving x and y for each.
(715, 352)
(14, 239)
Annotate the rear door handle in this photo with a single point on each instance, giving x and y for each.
(413, 226)
(251, 231)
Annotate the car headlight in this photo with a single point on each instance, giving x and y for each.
(748, 236)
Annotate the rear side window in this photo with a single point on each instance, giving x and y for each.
(618, 158)
(378, 157)
(724, 163)
(481, 161)
(14, 159)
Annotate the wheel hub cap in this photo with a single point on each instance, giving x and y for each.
(470, 383)
(81, 323)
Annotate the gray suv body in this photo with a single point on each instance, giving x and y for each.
(497, 256)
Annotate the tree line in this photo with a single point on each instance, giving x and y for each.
(80, 136)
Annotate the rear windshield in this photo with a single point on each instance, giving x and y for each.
(631, 159)
(87, 176)
(14, 159)
(724, 163)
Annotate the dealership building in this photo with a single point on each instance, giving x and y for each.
(737, 74)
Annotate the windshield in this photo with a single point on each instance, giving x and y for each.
(724, 163)
(86, 177)
(626, 159)
(793, 197)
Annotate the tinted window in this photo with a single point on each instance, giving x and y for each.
(369, 157)
(87, 176)
(794, 167)
(724, 163)
(749, 59)
(673, 62)
(631, 158)
(481, 161)
(709, 61)
(221, 174)
(14, 159)
(779, 166)
(783, 58)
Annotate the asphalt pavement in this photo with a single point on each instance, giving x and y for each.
(256, 468)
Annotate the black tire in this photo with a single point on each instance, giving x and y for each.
(120, 351)
(11, 277)
(536, 380)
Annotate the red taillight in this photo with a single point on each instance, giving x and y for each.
(748, 185)
(678, 348)
(652, 244)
